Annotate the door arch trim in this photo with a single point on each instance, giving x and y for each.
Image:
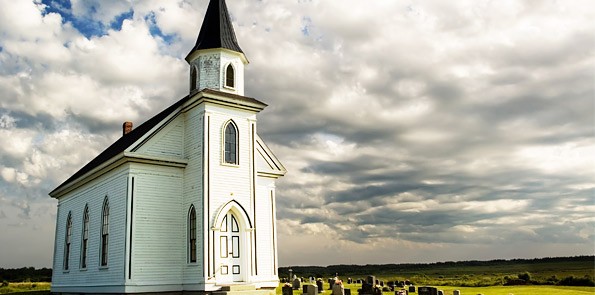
(235, 207)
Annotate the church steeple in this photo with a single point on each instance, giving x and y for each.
(216, 60)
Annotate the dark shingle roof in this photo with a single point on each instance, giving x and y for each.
(133, 136)
(217, 30)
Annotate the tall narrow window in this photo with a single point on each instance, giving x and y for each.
(193, 78)
(67, 241)
(231, 144)
(229, 76)
(104, 232)
(85, 238)
(192, 234)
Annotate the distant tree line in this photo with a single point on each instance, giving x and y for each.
(353, 269)
(25, 274)
(417, 270)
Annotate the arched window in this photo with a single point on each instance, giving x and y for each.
(229, 76)
(85, 238)
(104, 232)
(67, 240)
(231, 144)
(193, 78)
(192, 234)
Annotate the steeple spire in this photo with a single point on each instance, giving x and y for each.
(216, 30)
(217, 61)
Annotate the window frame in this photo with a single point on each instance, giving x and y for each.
(193, 78)
(85, 239)
(67, 243)
(235, 148)
(229, 81)
(192, 255)
(104, 238)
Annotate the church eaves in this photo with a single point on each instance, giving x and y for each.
(216, 30)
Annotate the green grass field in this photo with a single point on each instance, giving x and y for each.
(39, 288)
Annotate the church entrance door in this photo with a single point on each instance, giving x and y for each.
(230, 246)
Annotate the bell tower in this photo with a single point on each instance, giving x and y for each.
(217, 61)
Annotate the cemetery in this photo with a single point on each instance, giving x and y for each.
(547, 276)
(363, 286)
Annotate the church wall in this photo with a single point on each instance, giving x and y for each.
(211, 67)
(232, 182)
(113, 184)
(159, 223)
(264, 228)
(168, 142)
(238, 65)
(193, 189)
(208, 76)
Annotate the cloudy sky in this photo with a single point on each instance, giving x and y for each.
(413, 131)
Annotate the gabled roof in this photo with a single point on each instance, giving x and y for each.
(216, 30)
(139, 132)
(274, 167)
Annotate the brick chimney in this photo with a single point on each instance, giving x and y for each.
(126, 127)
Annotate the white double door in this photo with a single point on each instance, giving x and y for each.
(230, 249)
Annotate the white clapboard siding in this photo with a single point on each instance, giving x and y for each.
(230, 182)
(113, 185)
(168, 142)
(193, 190)
(158, 250)
(264, 236)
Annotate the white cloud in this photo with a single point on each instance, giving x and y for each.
(453, 128)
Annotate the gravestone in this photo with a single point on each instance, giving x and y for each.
(440, 292)
(319, 285)
(427, 291)
(381, 283)
(331, 282)
(407, 282)
(287, 290)
(412, 289)
(401, 292)
(296, 284)
(310, 290)
(369, 287)
(359, 281)
(347, 291)
(456, 292)
(338, 289)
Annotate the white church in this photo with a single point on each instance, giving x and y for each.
(183, 203)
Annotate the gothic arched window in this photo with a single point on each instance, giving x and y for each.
(229, 76)
(231, 144)
(85, 238)
(67, 241)
(192, 234)
(104, 232)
